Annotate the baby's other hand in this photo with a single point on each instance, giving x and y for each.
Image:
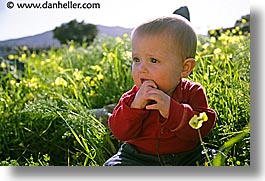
(140, 101)
(162, 102)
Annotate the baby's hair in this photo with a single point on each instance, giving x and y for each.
(176, 29)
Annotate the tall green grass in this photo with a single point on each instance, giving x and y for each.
(223, 68)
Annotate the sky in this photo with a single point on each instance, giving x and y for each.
(205, 14)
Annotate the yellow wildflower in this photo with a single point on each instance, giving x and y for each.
(212, 39)
(92, 92)
(100, 76)
(12, 82)
(125, 35)
(87, 79)
(60, 58)
(11, 57)
(3, 65)
(244, 21)
(217, 51)
(33, 55)
(33, 82)
(196, 122)
(212, 32)
(24, 48)
(78, 74)
(92, 83)
(71, 48)
(118, 40)
(23, 57)
(60, 69)
(60, 81)
(205, 46)
(97, 68)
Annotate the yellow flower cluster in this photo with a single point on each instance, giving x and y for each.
(32, 83)
(78, 74)
(60, 81)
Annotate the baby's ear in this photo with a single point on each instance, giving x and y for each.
(188, 65)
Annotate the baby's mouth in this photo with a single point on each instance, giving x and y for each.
(143, 80)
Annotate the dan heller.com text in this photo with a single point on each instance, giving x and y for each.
(59, 5)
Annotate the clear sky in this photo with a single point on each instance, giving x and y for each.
(205, 14)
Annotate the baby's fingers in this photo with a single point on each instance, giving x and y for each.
(152, 107)
(163, 112)
(149, 83)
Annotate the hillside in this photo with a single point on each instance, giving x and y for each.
(46, 40)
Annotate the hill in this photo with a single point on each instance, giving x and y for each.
(45, 40)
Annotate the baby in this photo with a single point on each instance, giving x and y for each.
(152, 119)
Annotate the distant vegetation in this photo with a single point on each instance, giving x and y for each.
(46, 40)
(75, 31)
(241, 27)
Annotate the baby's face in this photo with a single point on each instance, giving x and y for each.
(154, 59)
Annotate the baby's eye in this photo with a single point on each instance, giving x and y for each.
(153, 60)
(136, 59)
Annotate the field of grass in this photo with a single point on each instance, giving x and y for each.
(45, 118)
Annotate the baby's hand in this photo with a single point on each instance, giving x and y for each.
(162, 102)
(147, 93)
(140, 101)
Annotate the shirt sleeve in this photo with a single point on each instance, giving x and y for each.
(180, 113)
(126, 122)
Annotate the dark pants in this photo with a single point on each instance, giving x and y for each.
(129, 156)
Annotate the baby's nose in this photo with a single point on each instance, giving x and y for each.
(143, 67)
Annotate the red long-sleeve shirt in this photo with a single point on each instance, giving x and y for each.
(152, 134)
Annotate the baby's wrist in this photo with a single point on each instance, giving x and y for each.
(136, 105)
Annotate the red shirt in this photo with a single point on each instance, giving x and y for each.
(151, 133)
